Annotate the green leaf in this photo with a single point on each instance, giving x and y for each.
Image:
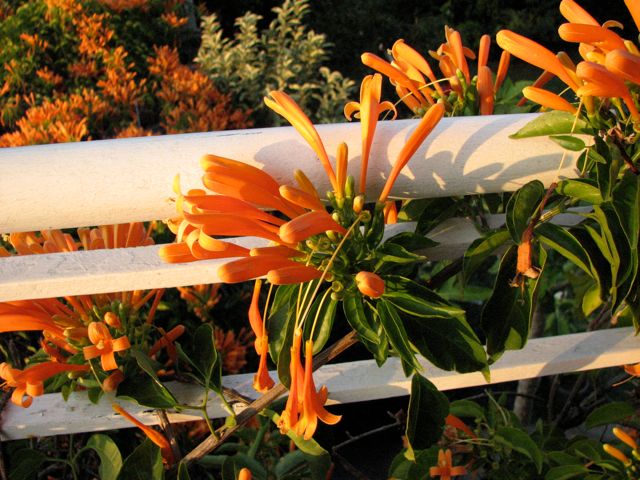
(582, 189)
(110, 457)
(522, 206)
(425, 417)
(607, 172)
(563, 242)
(361, 320)
(466, 408)
(325, 314)
(565, 472)
(416, 300)
(26, 464)
(521, 442)
(412, 241)
(392, 253)
(612, 412)
(293, 464)
(396, 333)
(481, 249)
(144, 463)
(374, 230)
(281, 320)
(551, 123)
(183, 471)
(506, 316)
(569, 142)
(626, 203)
(144, 390)
(203, 358)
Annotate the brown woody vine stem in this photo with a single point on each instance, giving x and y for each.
(211, 442)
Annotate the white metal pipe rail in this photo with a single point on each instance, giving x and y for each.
(117, 181)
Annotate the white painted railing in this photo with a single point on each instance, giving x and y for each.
(116, 181)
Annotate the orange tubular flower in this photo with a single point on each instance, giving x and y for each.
(485, 90)
(503, 66)
(166, 341)
(403, 52)
(483, 50)
(294, 274)
(634, 9)
(396, 76)
(548, 99)
(445, 469)
(293, 408)
(312, 401)
(111, 383)
(262, 381)
(245, 474)
(369, 110)
(426, 125)
(575, 13)
(617, 454)
(252, 267)
(104, 346)
(535, 54)
(156, 437)
(624, 64)
(342, 164)
(594, 35)
(301, 198)
(370, 284)
(29, 383)
(390, 212)
(625, 437)
(460, 425)
(599, 82)
(283, 104)
(307, 225)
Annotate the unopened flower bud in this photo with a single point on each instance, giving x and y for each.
(370, 284)
(112, 320)
(245, 474)
(350, 187)
(337, 286)
(358, 203)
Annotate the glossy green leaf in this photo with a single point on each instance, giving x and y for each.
(551, 123)
(325, 312)
(374, 230)
(569, 142)
(144, 463)
(425, 417)
(612, 412)
(414, 299)
(284, 356)
(565, 472)
(110, 457)
(520, 441)
(411, 241)
(203, 358)
(580, 188)
(522, 206)
(396, 333)
(506, 316)
(563, 242)
(281, 320)
(394, 254)
(145, 391)
(626, 203)
(362, 321)
(608, 172)
(481, 249)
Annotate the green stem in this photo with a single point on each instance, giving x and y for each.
(258, 440)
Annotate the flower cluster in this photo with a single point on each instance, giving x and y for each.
(419, 87)
(320, 252)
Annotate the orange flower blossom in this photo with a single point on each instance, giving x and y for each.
(445, 469)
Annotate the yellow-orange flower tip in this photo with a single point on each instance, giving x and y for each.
(575, 13)
(301, 198)
(633, 370)
(624, 64)
(284, 105)
(112, 320)
(615, 453)
(535, 54)
(370, 284)
(307, 225)
(485, 90)
(548, 99)
(245, 474)
(625, 438)
(483, 50)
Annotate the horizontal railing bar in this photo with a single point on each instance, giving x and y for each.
(126, 269)
(119, 181)
(347, 382)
